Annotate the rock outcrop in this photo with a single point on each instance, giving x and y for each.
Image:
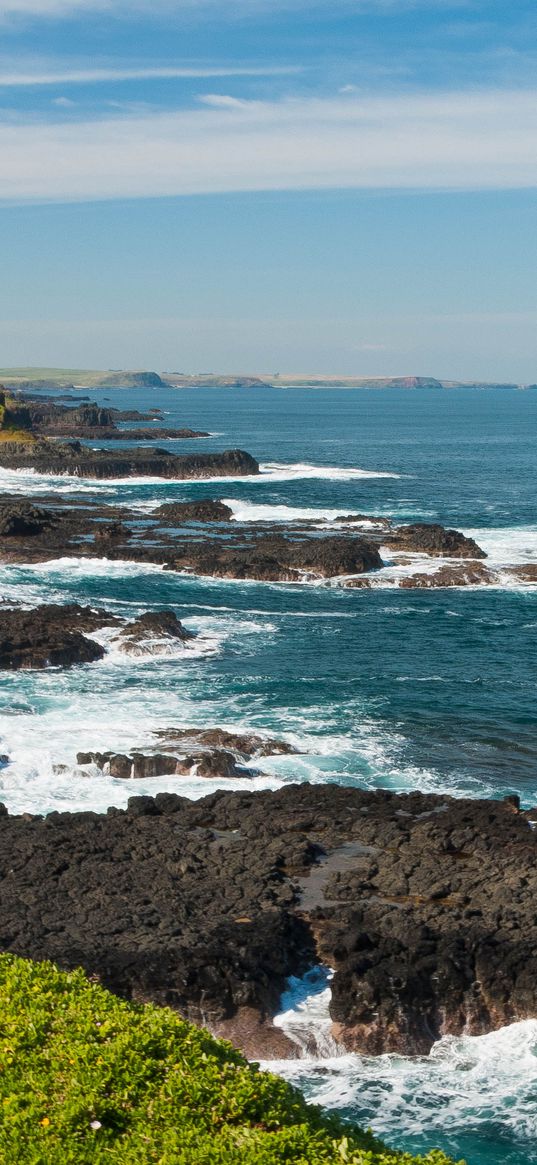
(468, 574)
(202, 510)
(243, 744)
(72, 458)
(50, 636)
(216, 763)
(280, 559)
(150, 633)
(424, 905)
(90, 421)
(431, 538)
(55, 635)
(21, 519)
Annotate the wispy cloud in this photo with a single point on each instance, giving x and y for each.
(112, 73)
(462, 140)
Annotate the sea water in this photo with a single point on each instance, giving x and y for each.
(391, 688)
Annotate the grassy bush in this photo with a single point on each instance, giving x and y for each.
(87, 1079)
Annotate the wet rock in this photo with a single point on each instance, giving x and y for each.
(73, 458)
(526, 572)
(50, 636)
(365, 519)
(469, 574)
(21, 519)
(150, 633)
(216, 763)
(243, 744)
(111, 532)
(431, 538)
(202, 510)
(280, 559)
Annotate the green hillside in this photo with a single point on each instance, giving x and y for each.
(87, 1079)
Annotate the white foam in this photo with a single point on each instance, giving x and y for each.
(29, 482)
(278, 471)
(32, 481)
(467, 1084)
(89, 567)
(507, 546)
(305, 1016)
(244, 511)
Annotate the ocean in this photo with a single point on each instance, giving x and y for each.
(392, 688)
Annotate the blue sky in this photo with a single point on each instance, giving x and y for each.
(343, 187)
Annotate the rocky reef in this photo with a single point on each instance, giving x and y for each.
(423, 905)
(55, 457)
(91, 421)
(56, 635)
(171, 536)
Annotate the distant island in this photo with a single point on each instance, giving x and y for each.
(73, 379)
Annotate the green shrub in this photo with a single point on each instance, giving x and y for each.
(87, 1079)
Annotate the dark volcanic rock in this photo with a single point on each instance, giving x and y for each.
(73, 458)
(151, 631)
(468, 574)
(280, 559)
(21, 519)
(434, 539)
(50, 636)
(424, 905)
(202, 510)
(243, 744)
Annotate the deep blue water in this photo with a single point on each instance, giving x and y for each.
(388, 687)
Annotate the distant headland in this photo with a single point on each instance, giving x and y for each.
(68, 379)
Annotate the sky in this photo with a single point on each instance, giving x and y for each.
(309, 186)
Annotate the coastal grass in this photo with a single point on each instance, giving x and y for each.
(18, 436)
(88, 1079)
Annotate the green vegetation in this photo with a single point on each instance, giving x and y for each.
(14, 421)
(58, 378)
(87, 1079)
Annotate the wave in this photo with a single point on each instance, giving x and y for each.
(509, 545)
(24, 480)
(277, 471)
(467, 1085)
(244, 511)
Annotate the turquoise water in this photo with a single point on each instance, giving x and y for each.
(401, 689)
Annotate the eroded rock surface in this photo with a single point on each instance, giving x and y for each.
(151, 633)
(50, 636)
(202, 510)
(72, 457)
(280, 559)
(424, 905)
(56, 635)
(431, 538)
